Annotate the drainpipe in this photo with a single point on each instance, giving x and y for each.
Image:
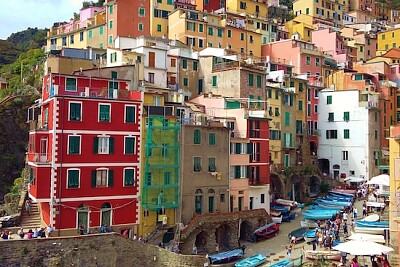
(61, 167)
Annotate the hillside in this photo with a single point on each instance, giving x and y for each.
(8, 52)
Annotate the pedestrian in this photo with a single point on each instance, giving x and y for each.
(21, 233)
(176, 248)
(194, 249)
(28, 206)
(81, 230)
(140, 239)
(364, 211)
(355, 211)
(343, 256)
(345, 217)
(314, 245)
(50, 230)
(345, 230)
(134, 237)
(289, 251)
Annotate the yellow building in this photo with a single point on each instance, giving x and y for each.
(78, 34)
(159, 17)
(387, 40)
(302, 24)
(249, 7)
(330, 10)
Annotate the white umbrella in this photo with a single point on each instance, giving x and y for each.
(363, 248)
(354, 179)
(382, 179)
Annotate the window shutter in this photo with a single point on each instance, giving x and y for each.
(238, 147)
(237, 171)
(110, 178)
(70, 178)
(249, 148)
(96, 145)
(247, 171)
(94, 174)
(111, 144)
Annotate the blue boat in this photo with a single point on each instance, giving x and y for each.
(284, 263)
(309, 236)
(301, 205)
(372, 224)
(298, 233)
(330, 207)
(318, 215)
(226, 257)
(322, 207)
(332, 202)
(280, 208)
(338, 198)
(252, 261)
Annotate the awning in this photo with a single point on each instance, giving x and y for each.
(354, 179)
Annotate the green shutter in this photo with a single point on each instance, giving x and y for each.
(287, 118)
(284, 140)
(237, 171)
(96, 145)
(129, 143)
(248, 171)
(130, 114)
(214, 80)
(251, 79)
(249, 148)
(238, 147)
(197, 137)
(94, 177)
(111, 145)
(110, 178)
(259, 81)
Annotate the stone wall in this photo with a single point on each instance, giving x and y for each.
(90, 250)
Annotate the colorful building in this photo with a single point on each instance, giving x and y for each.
(84, 154)
(327, 10)
(387, 40)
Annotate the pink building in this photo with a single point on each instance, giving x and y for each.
(330, 41)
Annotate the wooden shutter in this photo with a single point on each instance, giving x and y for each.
(152, 59)
(111, 145)
(96, 145)
(94, 177)
(110, 178)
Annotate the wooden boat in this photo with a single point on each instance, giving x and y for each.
(327, 206)
(346, 192)
(266, 231)
(284, 263)
(275, 213)
(370, 230)
(277, 220)
(332, 255)
(298, 233)
(291, 203)
(367, 237)
(280, 208)
(252, 261)
(308, 224)
(226, 257)
(372, 224)
(371, 218)
(286, 217)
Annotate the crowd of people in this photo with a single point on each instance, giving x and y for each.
(38, 232)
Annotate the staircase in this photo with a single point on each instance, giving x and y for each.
(31, 220)
(157, 235)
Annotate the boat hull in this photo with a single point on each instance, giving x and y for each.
(317, 255)
(226, 257)
(277, 219)
(372, 224)
(373, 231)
(284, 263)
(266, 233)
(252, 261)
(298, 233)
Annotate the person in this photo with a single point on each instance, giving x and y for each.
(140, 239)
(35, 233)
(352, 224)
(21, 233)
(81, 230)
(345, 217)
(134, 237)
(102, 228)
(4, 235)
(343, 256)
(28, 206)
(29, 234)
(194, 249)
(289, 251)
(50, 230)
(293, 240)
(345, 230)
(354, 263)
(176, 248)
(355, 211)
(314, 244)
(364, 211)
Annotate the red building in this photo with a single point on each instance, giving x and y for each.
(84, 153)
(208, 6)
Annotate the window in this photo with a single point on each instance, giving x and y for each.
(300, 105)
(317, 62)
(287, 118)
(81, 36)
(75, 111)
(184, 64)
(242, 36)
(345, 155)
(259, 81)
(159, 27)
(277, 112)
(64, 41)
(331, 116)
(307, 11)
(196, 137)
(195, 65)
(70, 85)
(316, 109)
(211, 165)
(329, 100)
(346, 133)
(331, 134)
(211, 139)
(103, 145)
(219, 32)
(210, 31)
(173, 62)
(148, 177)
(111, 24)
(140, 27)
(110, 39)
(185, 82)
(229, 33)
(242, 5)
(129, 177)
(104, 113)
(72, 39)
(251, 79)
(214, 80)
(102, 178)
(74, 144)
(130, 114)
(130, 145)
(90, 34)
(346, 116)
(141, 12)
(201, 27)
(308, 60)
(101, 30)
(111, 9)
(197, 164)
(262, 198)
(73, 178)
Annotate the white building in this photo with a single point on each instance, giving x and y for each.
(349, 125)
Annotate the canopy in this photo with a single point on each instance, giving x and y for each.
(354, 179)
(361, 248)
(382, 179)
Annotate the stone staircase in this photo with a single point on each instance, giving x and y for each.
(157, 237)
(31, 220)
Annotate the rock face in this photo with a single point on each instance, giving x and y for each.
(13, 139)
(91, 250)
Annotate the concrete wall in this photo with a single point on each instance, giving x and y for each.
(91, 250)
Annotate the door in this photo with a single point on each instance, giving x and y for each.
(211, 204)
(152, 59)
(240, 203)
(43, 150)
(106, 214)
(83, 220)
(231, 203)
(251, 203)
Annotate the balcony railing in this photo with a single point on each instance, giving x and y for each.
(225, 65)
(92, 92)
(39, 158)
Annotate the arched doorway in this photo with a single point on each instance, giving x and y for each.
(323, 165)
(198, 201)
(222, 237)
(313, 148)
(83, 218)
(105, 214)
(245, 231)
(336, 171)
(211, 196)
(201, 241)
(277, 186)
(296, 188)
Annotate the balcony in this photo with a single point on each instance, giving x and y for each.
(387, 83)
(93, 92)
(39, 158)
(289, 89)
(159, 110)
(225, 65)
